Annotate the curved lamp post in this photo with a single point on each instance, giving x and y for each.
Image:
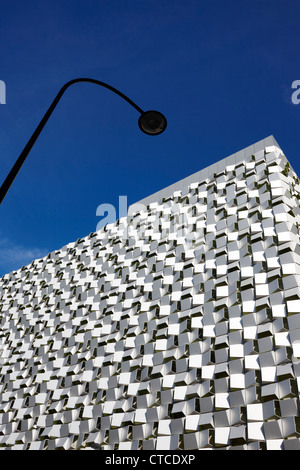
(150, 122)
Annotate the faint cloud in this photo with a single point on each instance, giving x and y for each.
(13, 256)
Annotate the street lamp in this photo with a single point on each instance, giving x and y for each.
(150, 122)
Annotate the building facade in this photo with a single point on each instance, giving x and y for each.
(178, 328)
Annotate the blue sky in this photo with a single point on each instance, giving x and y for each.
(220, 71)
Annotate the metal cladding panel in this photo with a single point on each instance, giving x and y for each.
(177, 328)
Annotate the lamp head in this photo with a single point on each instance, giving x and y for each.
(152, 122)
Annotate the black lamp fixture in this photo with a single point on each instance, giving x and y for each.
(150, 122)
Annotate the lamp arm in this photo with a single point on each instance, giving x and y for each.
(19, 163)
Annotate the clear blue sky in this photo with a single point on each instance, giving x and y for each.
(221, 71)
